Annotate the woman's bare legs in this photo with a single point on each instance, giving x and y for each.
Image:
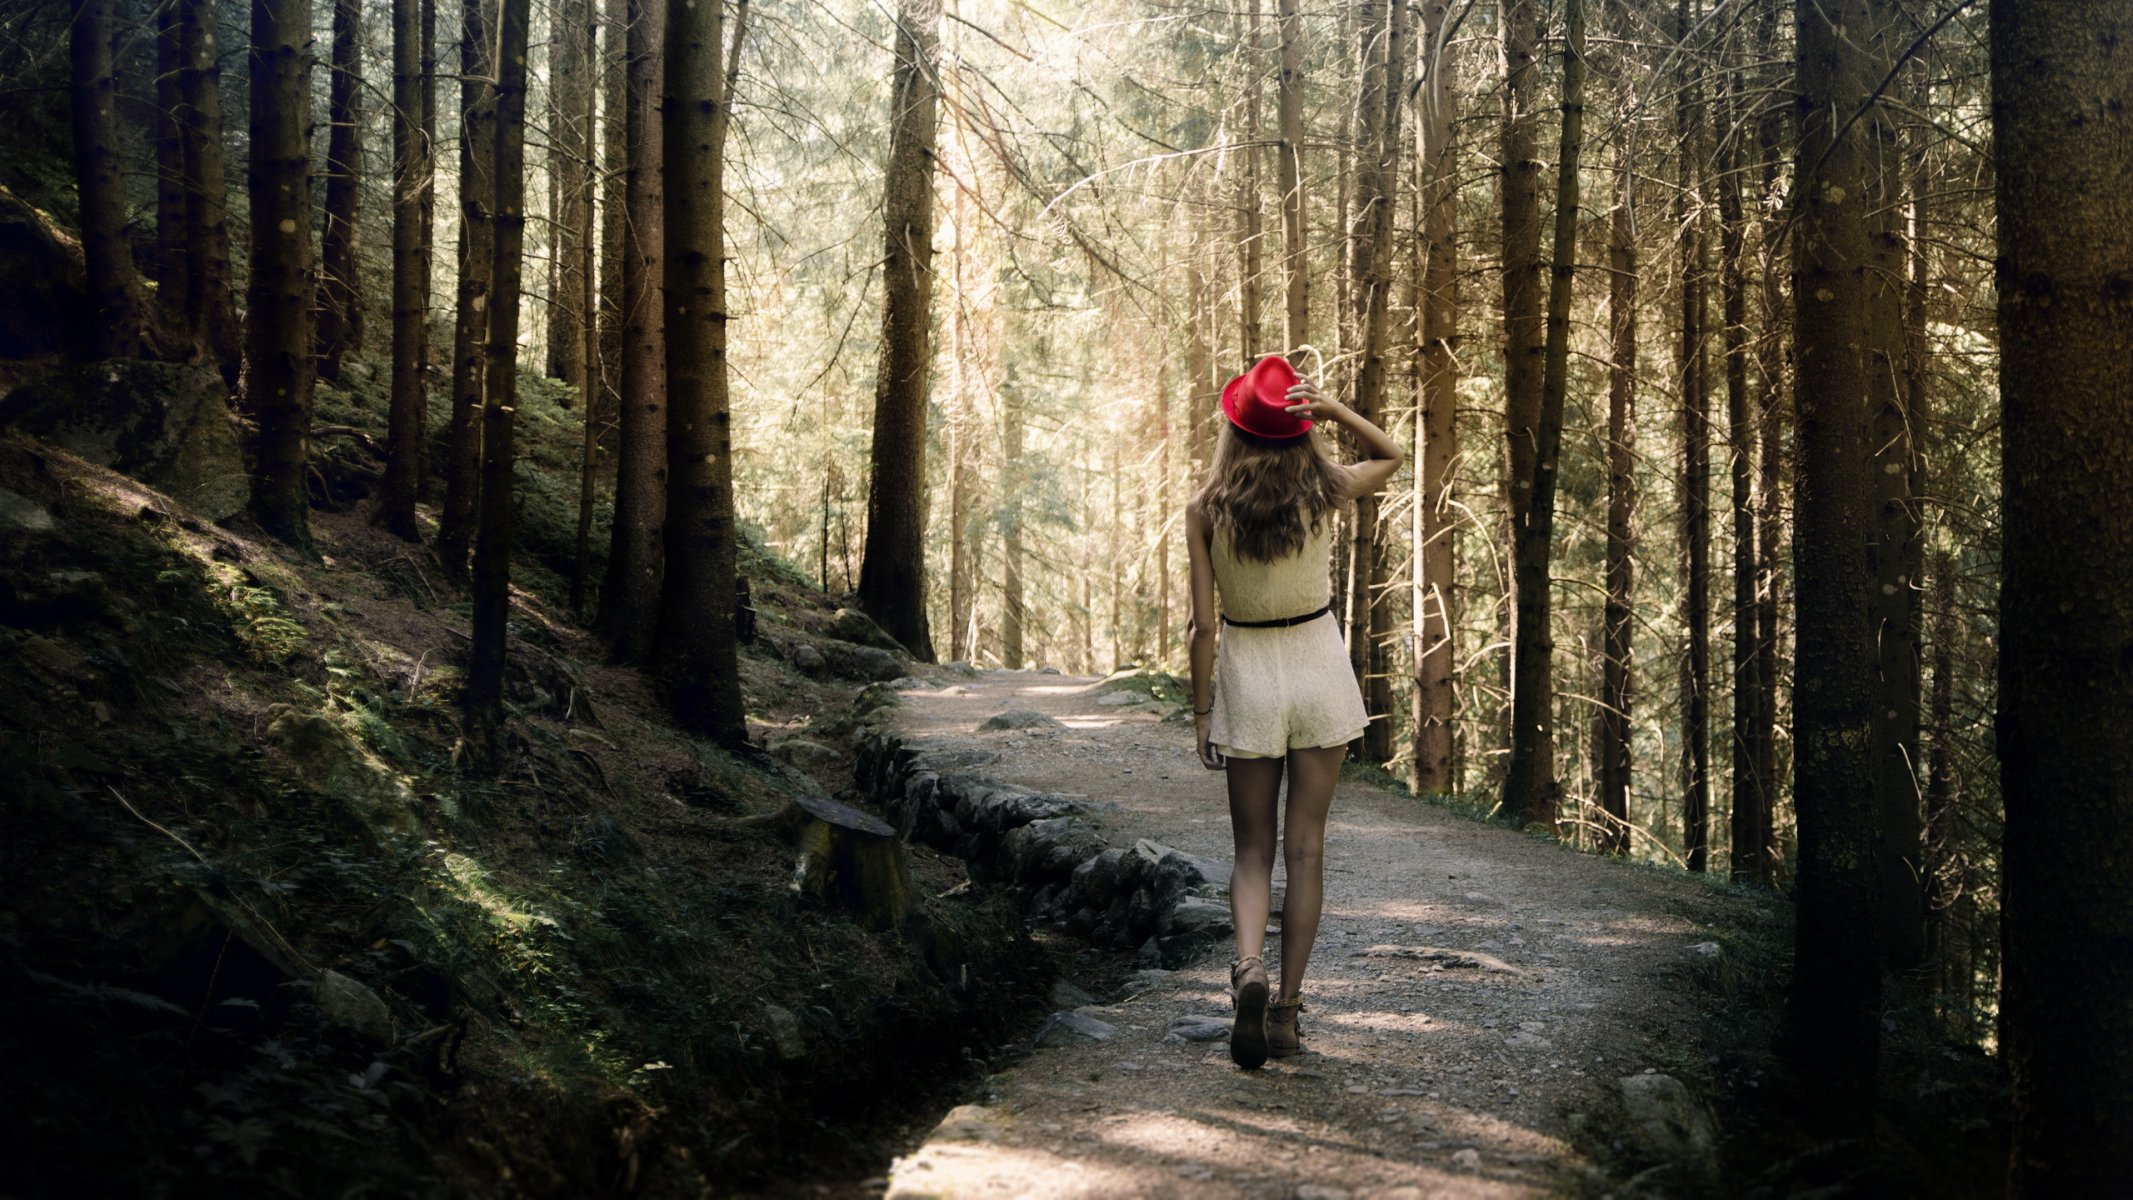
(1254, 807)
(1312, 774)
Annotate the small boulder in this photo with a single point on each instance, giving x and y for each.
(329, 760)
(1671, 1124)
(1197, 1029)
(852, 625)
(785, 1032)
(165, 424)
(1018, 718)
(1116, 699)
(1066, 995)
(808, 659)
(1068, 1028)
(19, 514)
(344, 1002)
(804, 754)
(1196, 914)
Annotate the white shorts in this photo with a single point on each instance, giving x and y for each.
(1284, 688)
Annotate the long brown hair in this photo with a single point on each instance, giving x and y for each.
(1264, 492)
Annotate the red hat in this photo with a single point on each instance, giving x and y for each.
(1258, 400)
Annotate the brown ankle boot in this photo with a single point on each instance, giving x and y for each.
(1284, 1038)
(1247, 1036)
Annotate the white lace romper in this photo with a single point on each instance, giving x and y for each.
(1285, 687)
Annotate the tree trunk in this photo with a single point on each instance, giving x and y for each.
(279, 367)
(413, 174)
(1251, 328)
(1834, 1012)
(210, 306)
(1614, 747)
(1893, 552)
(2062, 156)
(1013, 604)
(1695, 470)
(492, 542)
(477, 268)
(1288, 98)
(614, 202)
(171, 206)
(1748, 799)
(697, 641)
(1939, 835)
(1530, 785)
(892, 575)
(1770, 369)
(629, 599)
(1436, 434)
(121, 329)
(340, 311)
(573, 328)
(1383, 47)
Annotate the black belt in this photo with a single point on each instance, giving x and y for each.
(1279, 622)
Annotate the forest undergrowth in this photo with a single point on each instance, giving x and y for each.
(262, 931)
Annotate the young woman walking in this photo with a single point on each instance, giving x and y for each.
(1277, 698)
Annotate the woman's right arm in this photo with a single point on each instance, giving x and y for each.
(1200, 633)
(1384, 455)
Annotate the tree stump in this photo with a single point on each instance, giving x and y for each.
(851, 860)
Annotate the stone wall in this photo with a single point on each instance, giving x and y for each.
(1162, 903)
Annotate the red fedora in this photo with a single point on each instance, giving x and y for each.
(1258, 400)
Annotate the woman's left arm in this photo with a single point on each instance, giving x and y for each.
(1384, 454)
(1200, 634)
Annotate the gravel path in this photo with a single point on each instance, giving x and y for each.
(1469, 1074)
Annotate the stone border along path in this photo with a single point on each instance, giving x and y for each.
(1479, 1000)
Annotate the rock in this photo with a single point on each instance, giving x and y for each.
(967, 1123)
(1150, 954)
(19, 514)
(852, 625)
(1318, 1191)
(861, 662)
(1195, 914)
(1528, 1041)
(1066, 995)
(329, 760)
(1096, 877)
(908, 683)
(165, 424)
(44, 301)
(963, 668)
(344, 1002)
(1142, 980)
(1671, 1124)
(807, 658)
(1116, 699)
(872, 699)
(1198, 1029)
(1067, 1028)
(1707, 951)
(785, 1032)
(805, 754)
(1468, 1159)
(1018, 718)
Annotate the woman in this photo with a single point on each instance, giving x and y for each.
(1259, 532)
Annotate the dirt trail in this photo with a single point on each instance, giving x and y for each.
(1421, 1077)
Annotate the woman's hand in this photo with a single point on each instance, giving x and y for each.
(1210, 757)
(1306, 401)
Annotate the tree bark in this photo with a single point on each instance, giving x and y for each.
(210, 305)
(413, 175)
(1614, 747)
(570, 166)
(629, 599)
(2062, 153)
(1251, 243)
(477, 268)
(171, 206)
(121, 329)
(1530, 786)
(492, 542)
(1893, 553)
(1288, 103)
(614, 202)
(696, 608)
(1382, 45)
(1770, 370)
(1436, 433)
(1748, 798)
(279, 368)
(1695, 470)
(340, 310)
(892, 574)
(1013, 606)
(1834, 1011)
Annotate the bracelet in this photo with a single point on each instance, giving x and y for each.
(1201, 712)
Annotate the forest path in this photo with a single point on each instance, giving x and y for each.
(1420, 1078)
